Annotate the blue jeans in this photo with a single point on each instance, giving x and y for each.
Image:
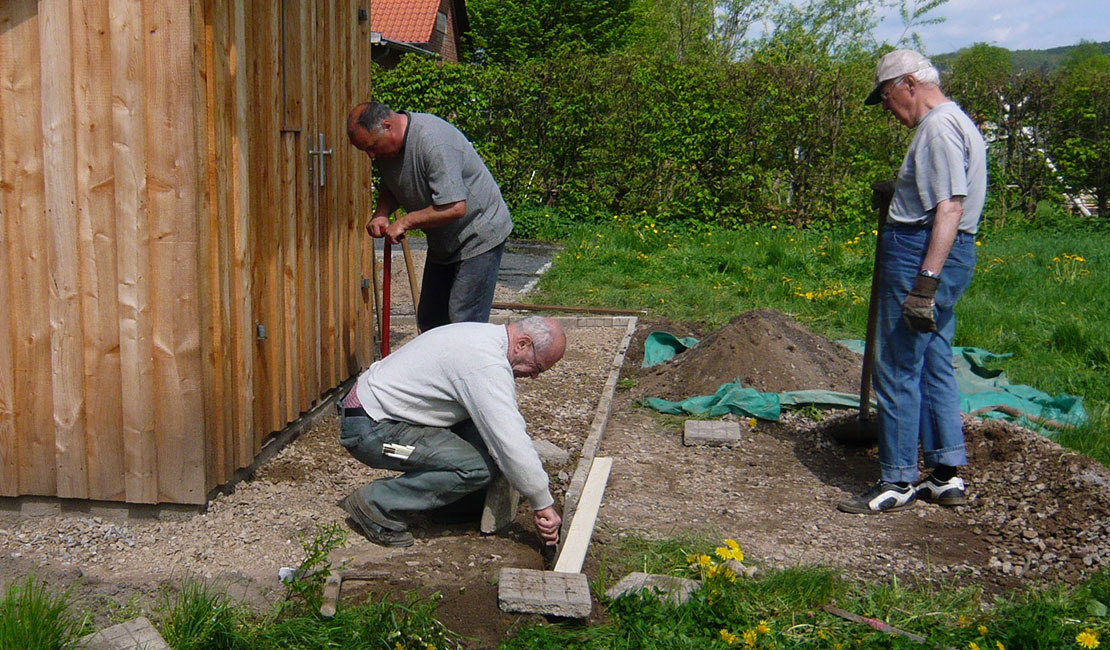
(461, 292)
(444, 466)
(915, 381)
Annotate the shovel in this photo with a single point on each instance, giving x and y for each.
(865, 429)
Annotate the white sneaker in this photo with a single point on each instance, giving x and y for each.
(952, 492)
(882, 497)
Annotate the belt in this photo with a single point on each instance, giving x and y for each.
(353, 411)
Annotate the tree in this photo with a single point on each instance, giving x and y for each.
(515, 31)
(1081, 145)
(979, 75)
(673, 30)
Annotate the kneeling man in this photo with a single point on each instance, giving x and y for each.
(442, 410)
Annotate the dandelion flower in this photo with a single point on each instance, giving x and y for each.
(749, 638)
(763, 628)
(998, 644)
(728, 637)
(982, 630)
(973, 646)
(1088, 639)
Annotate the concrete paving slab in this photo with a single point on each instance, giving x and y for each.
(668, 588)
(711, 433)
(530, 591)
(500, 506)
(137, 634)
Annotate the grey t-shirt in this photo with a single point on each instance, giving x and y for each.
(947, 158)
(436, 166)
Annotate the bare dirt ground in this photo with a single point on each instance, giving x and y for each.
(1038, 514)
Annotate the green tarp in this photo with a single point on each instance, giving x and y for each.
(979, 387)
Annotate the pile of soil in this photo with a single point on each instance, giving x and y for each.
(763, 349)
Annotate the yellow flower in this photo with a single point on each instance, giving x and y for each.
(774, 227)
(763, 628)
(998, 644)
(728, 637)
(1088, 639)
(982, 630)
(978, 243)
(749, 638)
(430, 646)
(973, 646)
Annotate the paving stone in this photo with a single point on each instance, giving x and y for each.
(137, 634)
(671, 588)
(530, 591)
(550, 453)
(712, 433)
(500, 506)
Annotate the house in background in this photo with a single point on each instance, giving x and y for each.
(425, 27)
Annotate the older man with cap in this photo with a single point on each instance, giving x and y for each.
(926, 263)
(442, 410)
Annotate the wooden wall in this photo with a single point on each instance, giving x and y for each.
(156, 207)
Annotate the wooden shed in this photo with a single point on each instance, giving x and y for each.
(181, 236)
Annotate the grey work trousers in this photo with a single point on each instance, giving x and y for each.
(443, 466)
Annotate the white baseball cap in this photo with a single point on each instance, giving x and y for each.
(893, 65)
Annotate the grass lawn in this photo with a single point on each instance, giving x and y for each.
(1042, 296)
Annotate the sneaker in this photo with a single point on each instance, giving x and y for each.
(370, 529)
(952, 492)
(882, 497)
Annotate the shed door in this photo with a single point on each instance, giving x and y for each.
(309, 256)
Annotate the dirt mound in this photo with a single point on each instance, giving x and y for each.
(766, 350)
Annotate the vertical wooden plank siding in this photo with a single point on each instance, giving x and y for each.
(171, 193)
(96, 240)
(28, 237)
(264, 33)
(291, 314)
(133, 240)
(308, 227)
(59, 166)
(356, 177)
(211, 174)
(155, 206)
(9, 441)
(242, 335)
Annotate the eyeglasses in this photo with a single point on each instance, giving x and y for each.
(886, 93)
(536, 361)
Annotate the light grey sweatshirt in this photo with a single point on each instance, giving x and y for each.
(452, 373)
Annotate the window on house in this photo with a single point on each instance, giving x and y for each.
(441, 22)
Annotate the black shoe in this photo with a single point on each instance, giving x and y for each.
(882, 497)
(370, 529)
(952, 492)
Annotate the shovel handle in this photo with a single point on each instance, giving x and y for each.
(387, 276)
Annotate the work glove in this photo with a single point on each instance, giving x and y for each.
(919, 308)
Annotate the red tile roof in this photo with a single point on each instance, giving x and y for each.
(406, 21)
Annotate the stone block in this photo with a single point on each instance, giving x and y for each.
(551, 454)
(711, 433)
(499, 509)
(137, 634)
(669, 588)
(530, 591)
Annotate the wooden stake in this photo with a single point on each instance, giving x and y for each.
(413, 287)
(523, 306)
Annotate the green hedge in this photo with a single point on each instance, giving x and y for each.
(775, 138)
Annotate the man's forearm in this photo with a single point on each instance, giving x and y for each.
(434, 215)
(945, 226)
(385, 205)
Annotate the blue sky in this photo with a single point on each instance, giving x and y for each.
(1012, 24)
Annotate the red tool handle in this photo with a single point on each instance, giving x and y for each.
(387, 274)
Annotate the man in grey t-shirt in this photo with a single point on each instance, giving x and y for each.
(430, 169)
(927, 257)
